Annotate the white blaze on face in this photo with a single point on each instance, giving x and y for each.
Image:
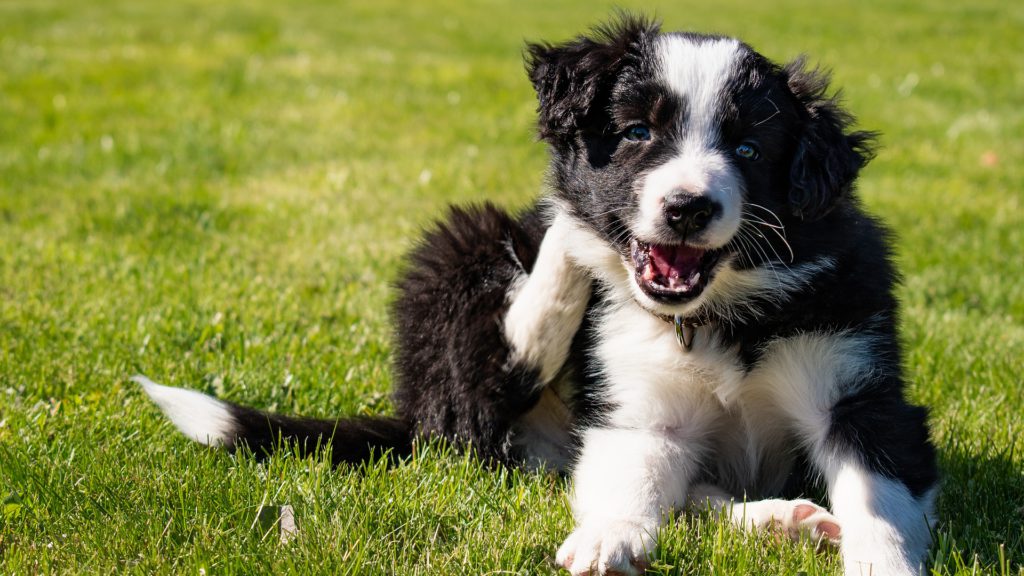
(697, 71)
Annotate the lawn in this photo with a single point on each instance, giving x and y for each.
(219, 195)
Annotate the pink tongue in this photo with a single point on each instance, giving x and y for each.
(675, 261)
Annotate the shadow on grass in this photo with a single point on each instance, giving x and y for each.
(980, 508)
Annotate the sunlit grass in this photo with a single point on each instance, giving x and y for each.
(219, 195)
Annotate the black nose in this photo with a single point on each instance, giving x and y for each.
(688, 213)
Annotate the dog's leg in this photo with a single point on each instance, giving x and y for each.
(886, 527)
(793, 518)
(624, 481)
(881, 475)
(869, 445)
(547, 305)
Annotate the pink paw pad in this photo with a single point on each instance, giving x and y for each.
(818, 520)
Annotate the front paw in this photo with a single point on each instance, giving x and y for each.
(613, 548)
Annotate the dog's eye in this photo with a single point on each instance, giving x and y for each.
(638, 133)
(748, 151)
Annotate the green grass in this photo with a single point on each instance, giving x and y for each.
(218, 196)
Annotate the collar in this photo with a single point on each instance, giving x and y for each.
(686, 329)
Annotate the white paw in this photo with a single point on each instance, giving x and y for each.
(615, 548)
(790, 517)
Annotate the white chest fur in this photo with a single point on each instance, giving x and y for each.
(703, 396)
(650, 379)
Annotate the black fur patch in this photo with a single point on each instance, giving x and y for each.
(571, 78)
(828, 157)
(351, 439)
(889, 434)
(452, 362)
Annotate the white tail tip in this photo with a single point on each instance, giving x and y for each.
(200, 417)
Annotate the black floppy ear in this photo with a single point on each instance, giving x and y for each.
(571, 78)
(828, 158)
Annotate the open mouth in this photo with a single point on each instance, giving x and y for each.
(672, 273)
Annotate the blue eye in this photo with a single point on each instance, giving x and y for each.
(748, 151)
(638, 133)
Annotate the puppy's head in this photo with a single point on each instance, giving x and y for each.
(689, 155)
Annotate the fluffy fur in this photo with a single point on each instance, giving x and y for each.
(695, 185)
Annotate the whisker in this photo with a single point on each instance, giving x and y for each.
(744, 238)
(761, 239)
(781, 234)
(756, 246)
(621, 236)
(767, 261)
(757, 220)
(746, 250)
(768, 210)
(785, 242)
(614, 208)
(779, 230)
(774, 114)
(772, 246)
(736, 246)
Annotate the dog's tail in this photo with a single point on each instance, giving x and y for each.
(214, 422)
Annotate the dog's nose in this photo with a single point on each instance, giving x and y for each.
(688, 213)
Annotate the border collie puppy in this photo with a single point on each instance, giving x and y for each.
(699, 313)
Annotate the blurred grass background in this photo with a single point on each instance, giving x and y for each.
(218, 194)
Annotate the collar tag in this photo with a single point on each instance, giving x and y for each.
(684, 333)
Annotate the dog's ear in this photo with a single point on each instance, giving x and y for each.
(828, 157)
(571, 78)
